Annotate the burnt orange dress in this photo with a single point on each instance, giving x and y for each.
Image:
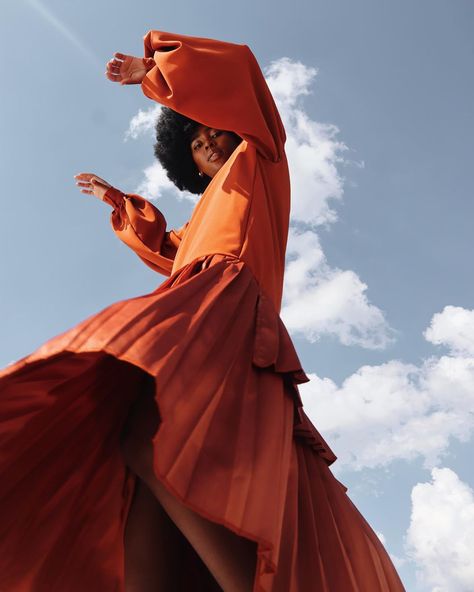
(234, 443)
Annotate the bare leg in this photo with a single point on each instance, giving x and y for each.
(231, 559)
(150, 544)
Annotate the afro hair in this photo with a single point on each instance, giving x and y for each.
(173, 150)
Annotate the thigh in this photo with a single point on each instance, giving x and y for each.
(151, 542)
(229, 557)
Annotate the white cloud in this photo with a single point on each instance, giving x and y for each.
(440, 538)
(288, 80)
(454, 328)
(312, 147)
(143, 122)
(395, 410)
(155, 184)
(319, 299)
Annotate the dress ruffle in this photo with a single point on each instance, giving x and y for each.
(233, 442)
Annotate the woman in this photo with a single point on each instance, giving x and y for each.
(162, 443)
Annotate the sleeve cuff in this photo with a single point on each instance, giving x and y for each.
(114, 197)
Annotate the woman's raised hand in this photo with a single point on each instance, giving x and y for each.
(92, 184)
(128, 69)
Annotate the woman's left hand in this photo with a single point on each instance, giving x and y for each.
(92, 184)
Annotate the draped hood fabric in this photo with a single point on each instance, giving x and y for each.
(233, 443)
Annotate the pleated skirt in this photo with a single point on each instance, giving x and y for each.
(233, 444)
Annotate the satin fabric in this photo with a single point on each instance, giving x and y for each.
(232, 440)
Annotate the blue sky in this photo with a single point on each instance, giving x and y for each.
(377, 98)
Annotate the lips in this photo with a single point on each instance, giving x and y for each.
(215, 155)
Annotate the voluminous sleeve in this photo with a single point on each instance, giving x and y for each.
(142, 227)
(216, 83)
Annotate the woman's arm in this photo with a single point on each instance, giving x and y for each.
(142, 227)
(217, 83)
(137, 223)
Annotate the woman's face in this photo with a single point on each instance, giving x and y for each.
(211, 148)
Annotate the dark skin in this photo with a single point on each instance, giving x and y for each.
(211, 148)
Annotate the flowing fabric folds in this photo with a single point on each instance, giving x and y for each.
(233, 443)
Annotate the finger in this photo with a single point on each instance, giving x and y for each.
(114, 74)
(121, 56)
(112, 70)
(87, 191)
(84, 176)
(114, 77)
(114, 64)
(83, 184)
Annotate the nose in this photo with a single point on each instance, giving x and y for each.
(209, 143)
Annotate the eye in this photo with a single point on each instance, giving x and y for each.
(197, 145)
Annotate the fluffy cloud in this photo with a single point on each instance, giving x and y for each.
(156, 183)
(318, 299)
(312, 148)
(142, 123)
(396, 410)
(453, 327)
(323, 300)
(440, 538)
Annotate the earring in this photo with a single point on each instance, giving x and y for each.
(201, 173)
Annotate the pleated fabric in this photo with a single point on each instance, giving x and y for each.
(233, 444)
